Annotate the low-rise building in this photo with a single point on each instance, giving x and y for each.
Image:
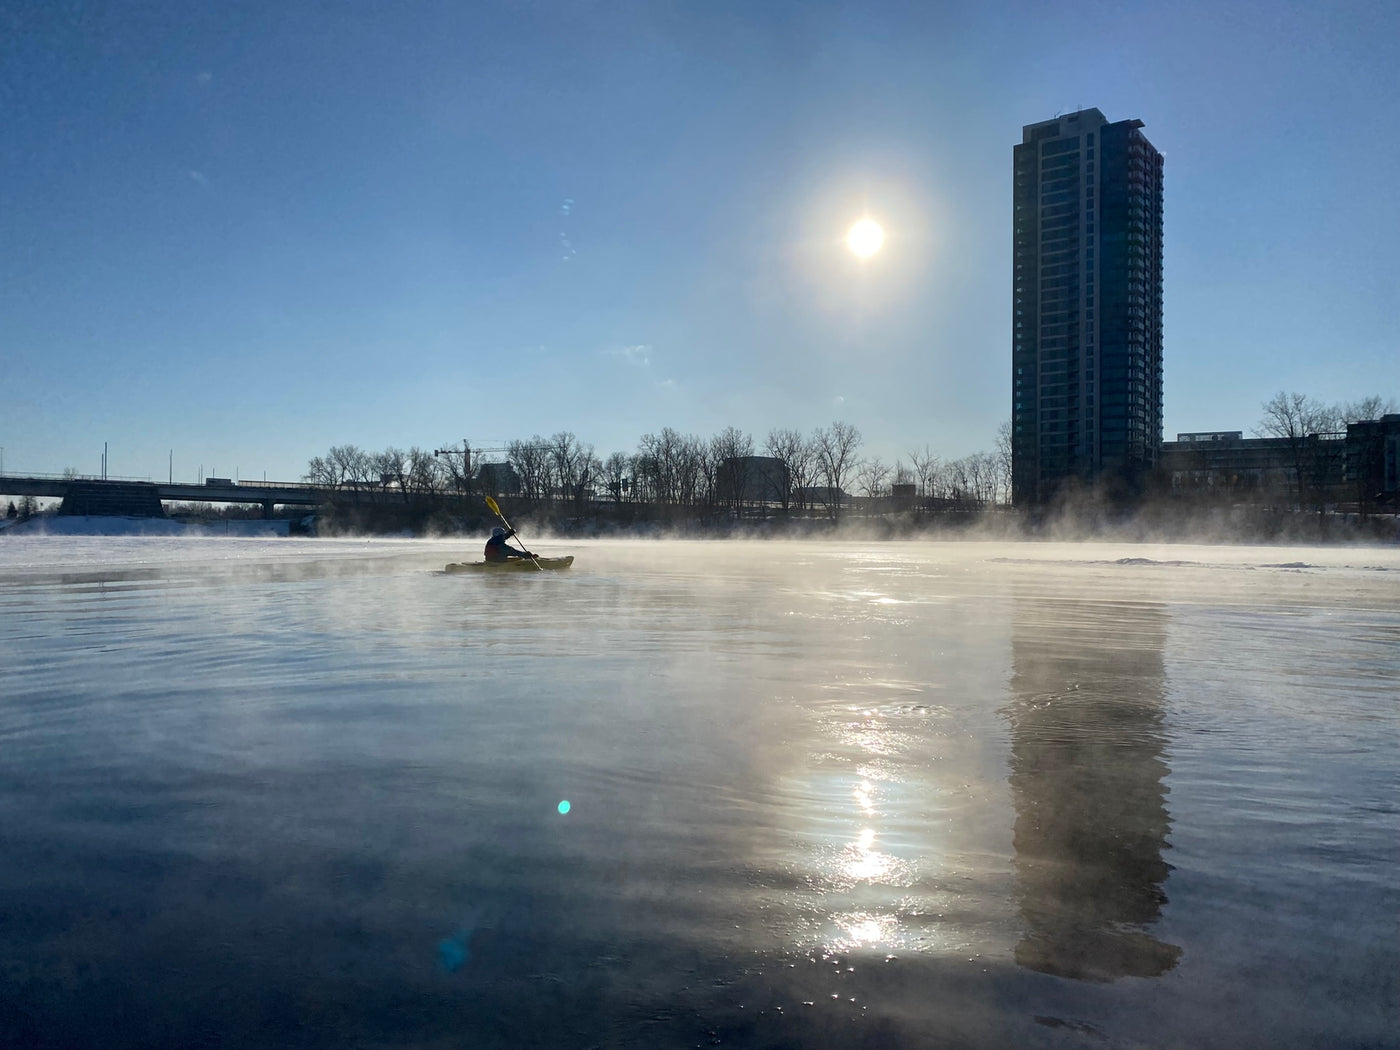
(1358, 467)
(754, 479)
(1226, 460)
(498, 479)
(1373, 461)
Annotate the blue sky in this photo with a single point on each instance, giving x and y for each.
(243, 233)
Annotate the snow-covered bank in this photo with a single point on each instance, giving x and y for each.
(80, 525)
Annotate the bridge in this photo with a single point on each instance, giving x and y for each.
(141, 497)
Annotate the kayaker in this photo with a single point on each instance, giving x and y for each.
(497, 549)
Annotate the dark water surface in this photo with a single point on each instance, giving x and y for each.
(308, 794)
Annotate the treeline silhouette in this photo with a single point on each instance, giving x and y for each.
(670, 476)
(792, 482)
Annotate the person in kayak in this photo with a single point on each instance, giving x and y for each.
(497, 549)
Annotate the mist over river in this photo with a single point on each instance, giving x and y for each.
(277, 793)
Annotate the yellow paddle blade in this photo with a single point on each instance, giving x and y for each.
(494, 508)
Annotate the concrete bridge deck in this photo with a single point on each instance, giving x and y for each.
(97, 491)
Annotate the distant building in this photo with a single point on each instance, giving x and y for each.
(498, 479)
(903, 495)
(821, 496)
(1373, 462)
(1225, 461)
(1086, 304)
(753, 479)
(1211, 435)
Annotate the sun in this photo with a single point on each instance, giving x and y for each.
(865, 238)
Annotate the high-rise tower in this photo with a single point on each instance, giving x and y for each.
(1086, 356)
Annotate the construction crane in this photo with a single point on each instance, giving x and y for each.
(467, 452)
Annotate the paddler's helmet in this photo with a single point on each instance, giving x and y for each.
(497, 531)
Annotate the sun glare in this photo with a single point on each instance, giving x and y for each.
(865, 238)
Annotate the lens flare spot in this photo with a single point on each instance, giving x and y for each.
(453, 952)
(564, 807)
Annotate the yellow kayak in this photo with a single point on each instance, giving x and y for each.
(514, 565)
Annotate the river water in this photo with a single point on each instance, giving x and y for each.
(277, 793)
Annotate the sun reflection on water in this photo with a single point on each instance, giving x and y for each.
(872, 811)
(865, 798)
(865, 930)
(862, 862)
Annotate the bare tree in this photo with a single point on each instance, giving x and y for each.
(570, 464)
(356, 466)
(836, 449)
(1294, 418)
(531, 462)
(707, 478)
(644, 472)
(589, 474)
(940, 481)
(872, 476)
(390, 468)
(1002, 455)
(795, 453)
(1294, 415)
(563, 463)
(615, 470)
(959, 480)
(925, 466)
(731, 451)
(983, 477)
(972, 479)
(426, 476)
(672, 463)
(321, 471)
(1366, 408)
(655, 465)
(692, 480)
(344, 466)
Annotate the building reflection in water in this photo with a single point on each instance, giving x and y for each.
(1087, 771)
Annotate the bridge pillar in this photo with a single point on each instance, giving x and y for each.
(267, 508)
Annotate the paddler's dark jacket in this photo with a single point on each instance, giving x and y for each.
(498, 550)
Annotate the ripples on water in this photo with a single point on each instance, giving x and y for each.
(310, 794)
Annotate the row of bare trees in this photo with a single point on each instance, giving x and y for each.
(560, 467)
(1289, 414)
(1312, 430)
(415, 473)
(817, 471)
